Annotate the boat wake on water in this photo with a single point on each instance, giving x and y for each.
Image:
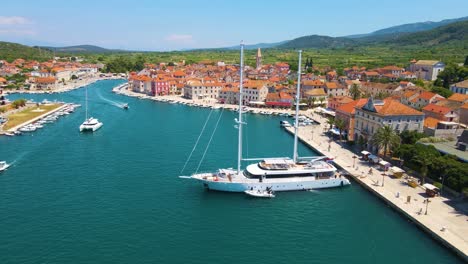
(111, 102)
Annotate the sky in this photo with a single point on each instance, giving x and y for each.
(183, 24)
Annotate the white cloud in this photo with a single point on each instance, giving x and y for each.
(179, 38)
(13, 20)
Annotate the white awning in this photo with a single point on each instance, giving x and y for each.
(395, 169)
(430, 187)
(384, 163)
(257, 103)
(365, 152)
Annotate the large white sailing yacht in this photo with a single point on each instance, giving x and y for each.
(90, 124)
(276, 174)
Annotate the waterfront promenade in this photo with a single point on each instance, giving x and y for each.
(442, 221)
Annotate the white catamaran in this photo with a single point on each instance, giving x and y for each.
(274, 174)
(90, 124)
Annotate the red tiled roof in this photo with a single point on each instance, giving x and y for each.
(350, 108)
(431, 122)
(427, 95)
(457, 97)
(436, 109)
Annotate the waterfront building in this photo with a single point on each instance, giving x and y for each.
(347, 113)
(377, 113)
(427, 69)
(200, 90)
(44, 83)
(337, 101)
(255, 91)
(160, 86)
(460, 87)
(279, 100)
(229, 95)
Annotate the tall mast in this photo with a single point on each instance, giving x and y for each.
(298, 90)
(239, 122)
(86, 100)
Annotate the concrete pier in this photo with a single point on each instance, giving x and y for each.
(443, 222)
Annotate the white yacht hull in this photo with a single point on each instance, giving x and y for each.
(277, 185)
(93, 128)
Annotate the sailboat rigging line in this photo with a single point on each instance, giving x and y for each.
(209, 142)
(198, 139)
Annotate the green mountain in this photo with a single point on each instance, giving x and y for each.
(452, 34)
(455, 33)
(317, 42)
(417, 27)
(82, 49)
(11, 51)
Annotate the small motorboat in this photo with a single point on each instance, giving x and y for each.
(125, 106)
(3, 166)
(9, 134)
(260, 194)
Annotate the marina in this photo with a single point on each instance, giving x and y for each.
(93, 212)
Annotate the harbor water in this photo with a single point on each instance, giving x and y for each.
(114, 196)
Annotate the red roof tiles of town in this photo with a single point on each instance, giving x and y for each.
(431, 122)
(436, 109)
(427, 95)
(458, 97)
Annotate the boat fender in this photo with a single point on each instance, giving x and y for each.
(215, 178)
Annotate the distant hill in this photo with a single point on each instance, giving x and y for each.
(316, 41)
(82, 49)
(11, 51)
(453, 34)
(412, 27)
(258, 45)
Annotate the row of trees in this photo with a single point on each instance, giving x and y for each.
(424, 159)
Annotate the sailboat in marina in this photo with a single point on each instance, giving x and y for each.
(273, 174)
(90, 124)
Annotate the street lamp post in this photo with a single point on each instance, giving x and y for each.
(354, 160)
(427, 204)
(383, 179)
(442, 187)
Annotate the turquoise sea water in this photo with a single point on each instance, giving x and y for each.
(115, 197)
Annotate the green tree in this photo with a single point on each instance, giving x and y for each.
(321, 100)
(410, 137)
(74, 77)
(442, 91)
(341, 125)
(466, 61)
(355, 92)
(424, 159)
(451, 74)
(330, 122)
(386, 138)
(18, 103)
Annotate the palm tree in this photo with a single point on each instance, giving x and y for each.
(341, 125)
(424, 159)
(386, 138)
(330, 121)
(355, 92)
(321, 100)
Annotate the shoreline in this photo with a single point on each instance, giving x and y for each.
(201, 103)
(67, 88)
(443, 227)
